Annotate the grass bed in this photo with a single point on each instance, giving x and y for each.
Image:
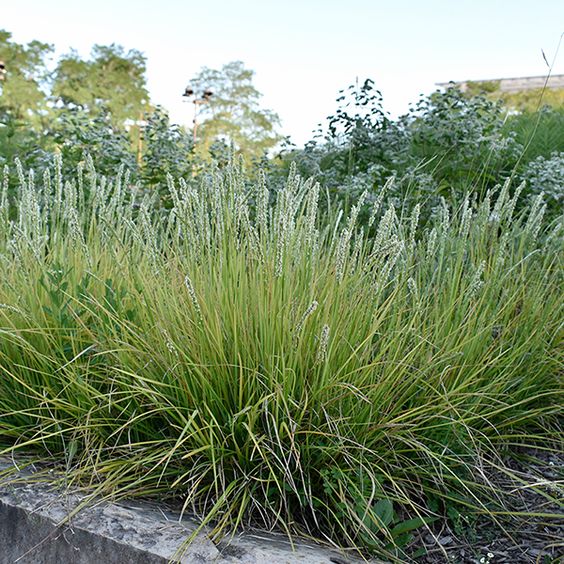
(262, 365)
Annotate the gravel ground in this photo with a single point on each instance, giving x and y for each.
(525, 539)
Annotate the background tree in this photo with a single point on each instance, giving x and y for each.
(23, 90)
(23, 96)
(113, 81)
(233, 114)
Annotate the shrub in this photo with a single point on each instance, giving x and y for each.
(462, 138)
(168, 150)
(546, 176)
(539, 133)
(75, 134)
(447, 145)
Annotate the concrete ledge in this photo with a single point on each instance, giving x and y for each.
(35, 529)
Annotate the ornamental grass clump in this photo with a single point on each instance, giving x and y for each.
(263, 365)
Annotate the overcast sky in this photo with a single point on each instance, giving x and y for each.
(304, 51)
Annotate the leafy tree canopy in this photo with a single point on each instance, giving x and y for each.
(23, 93)
(113, 81)
(233, 113)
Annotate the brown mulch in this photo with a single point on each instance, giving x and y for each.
(526, 539)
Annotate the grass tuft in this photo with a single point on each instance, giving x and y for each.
(264, 365)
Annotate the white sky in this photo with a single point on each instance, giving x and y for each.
(304, 51)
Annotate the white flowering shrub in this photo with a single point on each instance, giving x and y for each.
(546, 175)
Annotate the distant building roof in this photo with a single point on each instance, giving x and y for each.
(518, 84)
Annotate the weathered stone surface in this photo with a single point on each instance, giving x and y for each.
(35, 528)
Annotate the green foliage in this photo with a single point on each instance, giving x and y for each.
(481, 88)
(546, 176)
(360, 136)
(359, 149)
(76, 134)
(530, 100)
(81, 108)
(233, 113)
(268, 366)
(540, 133)
(463, 136)
(22, 90)
(533, 100)
(112, 82)
(342, 361)
(168, 149)
(17, 138)
(445, 146)
(381, 528)
(360, 112)
(23, 100)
